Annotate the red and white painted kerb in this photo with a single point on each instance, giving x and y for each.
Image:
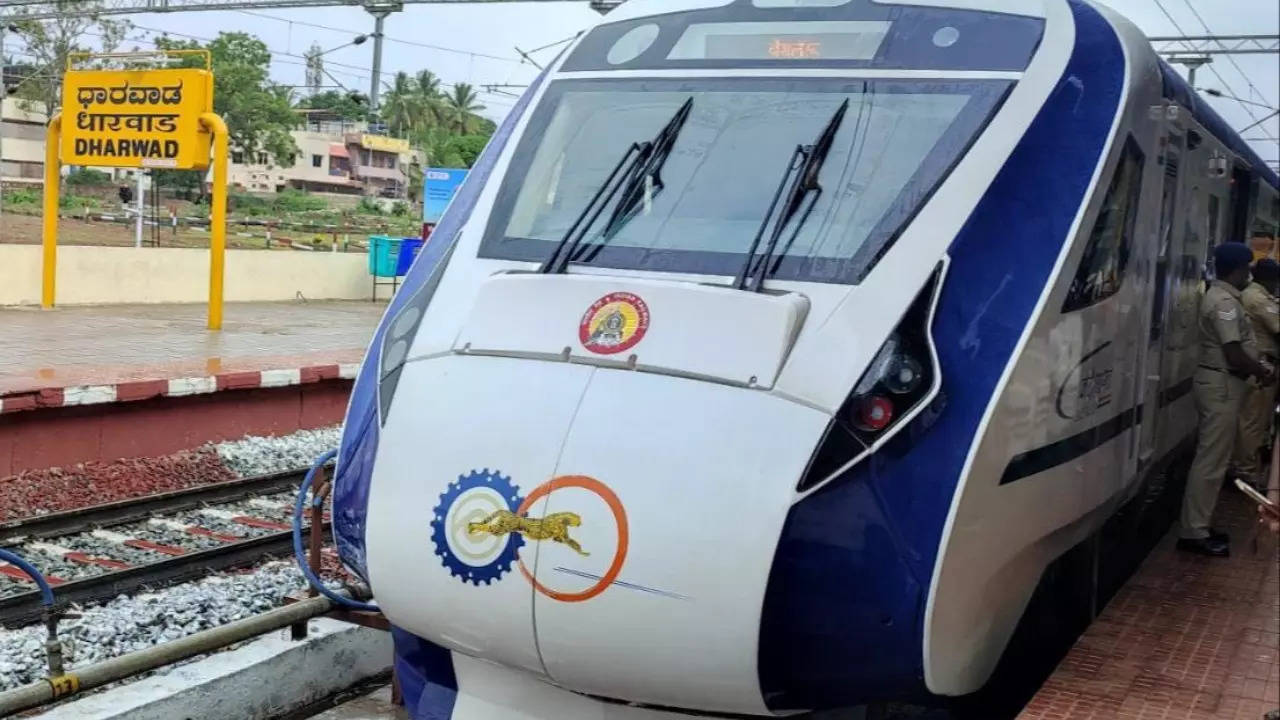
(133, 390)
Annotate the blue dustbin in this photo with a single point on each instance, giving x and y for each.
(409, 248)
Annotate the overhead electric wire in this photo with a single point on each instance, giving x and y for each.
(1252, 88)
(386, 37)
(1230, 59)
(295, 59)
(1212, 69)
(571, 38)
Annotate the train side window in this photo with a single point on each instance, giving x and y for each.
(1106, 256)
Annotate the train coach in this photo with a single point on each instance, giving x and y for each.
(774, 349)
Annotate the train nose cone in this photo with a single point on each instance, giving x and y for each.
(467, 440)
(608, 529)
(703, 475)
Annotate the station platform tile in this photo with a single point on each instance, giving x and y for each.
(1187, 638)
(105, 354)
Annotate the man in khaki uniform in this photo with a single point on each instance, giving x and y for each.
(1263, 310)
(1228, 357)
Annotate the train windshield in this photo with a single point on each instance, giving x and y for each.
(897, 142)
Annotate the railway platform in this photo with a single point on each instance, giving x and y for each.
(375, 705)
(1187, 637)
(104, 382)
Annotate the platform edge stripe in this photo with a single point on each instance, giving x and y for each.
(18, 402)
(280, 378)
(134, 390)
(179, 387)
(348, 371)
(88, 394)
(317, 373)
(49, 397)
(246, 380)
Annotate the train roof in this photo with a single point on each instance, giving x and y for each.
(1177, 89)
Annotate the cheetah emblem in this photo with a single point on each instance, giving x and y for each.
(554, 527)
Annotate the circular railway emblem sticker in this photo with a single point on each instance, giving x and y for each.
(483, 521)
(469, 502)
(614, 323)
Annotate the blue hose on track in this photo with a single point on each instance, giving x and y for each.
(46, 592)
(298, 554)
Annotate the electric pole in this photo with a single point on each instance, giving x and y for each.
(379, 11)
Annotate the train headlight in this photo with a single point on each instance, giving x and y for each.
(895, 382)
(899, 382)
(904, 376)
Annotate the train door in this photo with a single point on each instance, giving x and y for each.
(1154, 355)
(1242, 194)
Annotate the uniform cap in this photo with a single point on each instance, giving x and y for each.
(1231, 256)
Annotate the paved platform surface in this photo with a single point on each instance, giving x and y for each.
(1187, 638)
(87, 355)
(374, 706)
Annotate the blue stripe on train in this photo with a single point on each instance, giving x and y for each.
(843, 614)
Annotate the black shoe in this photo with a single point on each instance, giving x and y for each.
(1205, 546)
(1219, 536)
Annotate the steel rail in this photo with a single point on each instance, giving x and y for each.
(20, 530)
(25, 608)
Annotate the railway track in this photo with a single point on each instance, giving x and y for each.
(95, 553)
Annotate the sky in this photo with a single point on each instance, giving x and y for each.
(476, 43)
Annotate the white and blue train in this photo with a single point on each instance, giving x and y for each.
(774, 349)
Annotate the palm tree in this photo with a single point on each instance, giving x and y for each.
(426, 87)
(461, 107)
(399, 106)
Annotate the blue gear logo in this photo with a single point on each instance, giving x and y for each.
(475, 558)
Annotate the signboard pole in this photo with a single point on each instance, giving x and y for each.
(137, 226)
(49, 224)
(217, 217)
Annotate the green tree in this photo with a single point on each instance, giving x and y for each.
(447, 149)
(345, 105)
(51, 42)
(401, 105)
(258, 112)
(460, 108)
(427, 86)
(186, 184)
(469, 147)
(414, 172)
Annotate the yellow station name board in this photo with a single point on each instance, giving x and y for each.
(136, 118)
(384, 143)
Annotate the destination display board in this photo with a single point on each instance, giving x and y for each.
(136, 118)
(803, 40)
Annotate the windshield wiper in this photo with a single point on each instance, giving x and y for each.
(799, 182)
(638, 178)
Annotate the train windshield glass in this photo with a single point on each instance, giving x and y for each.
(897, 141)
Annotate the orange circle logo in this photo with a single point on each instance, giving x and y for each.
(614, 323)
(619, 518)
